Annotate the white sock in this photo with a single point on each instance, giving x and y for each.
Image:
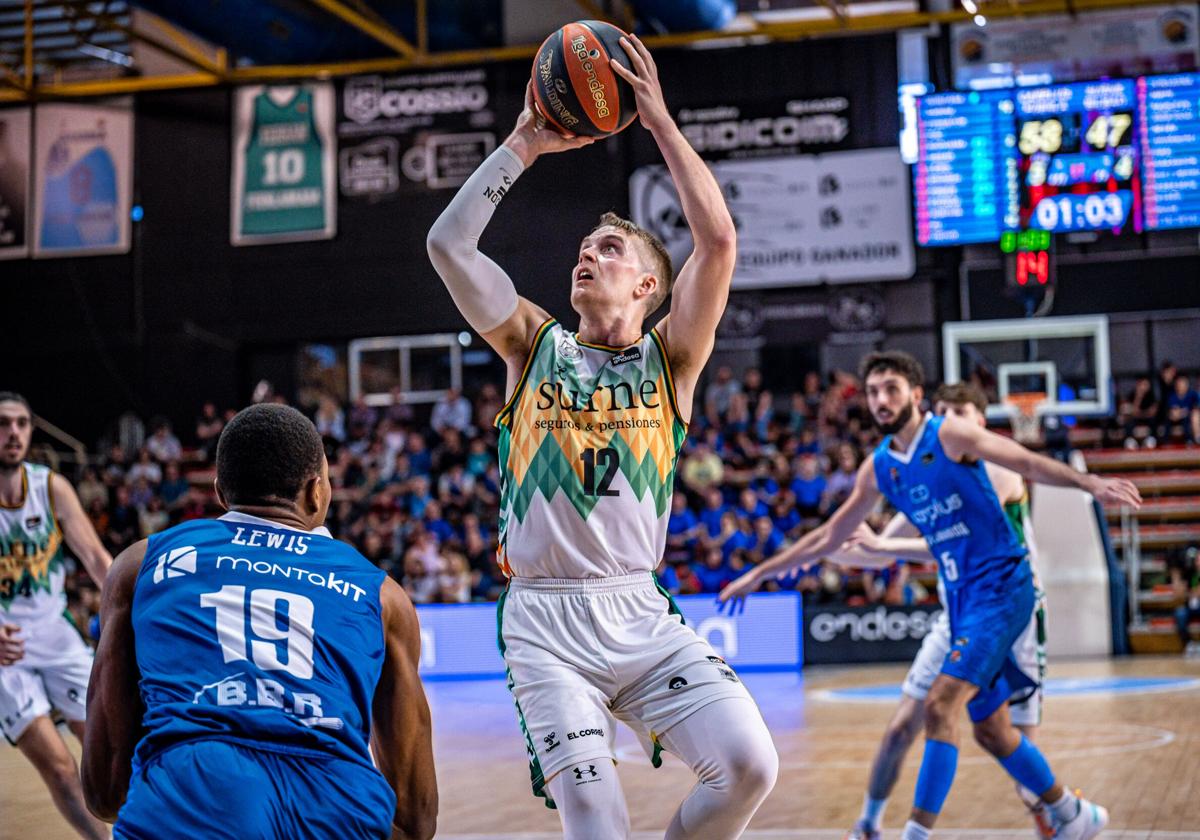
(915, 831)
(872, 811)
(1066, 808)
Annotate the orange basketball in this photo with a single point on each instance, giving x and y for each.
(574, 87)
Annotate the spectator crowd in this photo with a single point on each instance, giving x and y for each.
(417, 490)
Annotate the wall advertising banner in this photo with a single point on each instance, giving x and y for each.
(833, 218)
(459, 641)
(83, 168)
(283, 187)
(837, 633)
(413, 132)
(16, 141)
(1064, 48)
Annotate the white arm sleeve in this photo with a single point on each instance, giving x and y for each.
(483, 293)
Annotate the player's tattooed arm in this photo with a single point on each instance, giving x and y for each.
(81, 537)
(961, 439)
(817, 543)
(114, 706)
(401, 730)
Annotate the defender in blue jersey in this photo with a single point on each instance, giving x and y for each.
(931, 470)
(246, 663)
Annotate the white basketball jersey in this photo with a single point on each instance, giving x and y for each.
(31, 553)
(588, 445)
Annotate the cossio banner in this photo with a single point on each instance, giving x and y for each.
(413, 132)
(836, 634)
(459, 641)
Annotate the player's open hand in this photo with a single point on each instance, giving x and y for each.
(863, 539)
(647, 91)
(533, 136)
(733, 596)
(1116, 491)
(12, 646)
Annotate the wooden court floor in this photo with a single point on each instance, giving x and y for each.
(1126, 732)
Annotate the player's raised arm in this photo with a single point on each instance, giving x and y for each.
(81, 537)
(401, 731)
(481, 289)
(702, 288)
(961, 439)
(114, 706)
(818, 542)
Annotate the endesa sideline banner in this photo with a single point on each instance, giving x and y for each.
(836, 633)
(459, 641)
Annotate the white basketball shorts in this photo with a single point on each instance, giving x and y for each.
(52, 675)
(1029, 651)
(583, 653)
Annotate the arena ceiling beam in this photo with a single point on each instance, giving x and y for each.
(830, 26)
(370, 25)
(173, 45)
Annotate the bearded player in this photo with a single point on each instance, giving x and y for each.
(44, 662)
(931, 469)
(588, 443)
(897, 540)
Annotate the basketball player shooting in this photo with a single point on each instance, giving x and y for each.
(247, 662)
(931, 469)
(588, 442)
(44, 662)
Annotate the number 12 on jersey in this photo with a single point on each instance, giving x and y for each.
(231, 607)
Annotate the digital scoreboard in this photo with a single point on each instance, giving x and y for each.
(1117, 155)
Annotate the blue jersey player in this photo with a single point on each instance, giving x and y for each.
(930, 468)
(246, 663)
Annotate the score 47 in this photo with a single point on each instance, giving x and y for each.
(1106, 131)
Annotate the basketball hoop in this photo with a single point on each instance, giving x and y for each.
(1026, 424)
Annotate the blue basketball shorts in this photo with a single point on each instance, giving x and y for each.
(228, 791)
(984, 625)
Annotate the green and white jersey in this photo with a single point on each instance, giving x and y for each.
(589, 440)
(284, 183)
(31, 553)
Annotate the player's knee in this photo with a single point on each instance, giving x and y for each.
(60, 774)
(997, 739)
(939, 714)
(752, 771)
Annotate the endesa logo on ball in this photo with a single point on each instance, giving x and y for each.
(588, 68)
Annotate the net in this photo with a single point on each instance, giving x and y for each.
(1026, 423)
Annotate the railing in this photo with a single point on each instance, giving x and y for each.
(78, 452)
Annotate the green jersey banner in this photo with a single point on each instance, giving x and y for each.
(283, 164)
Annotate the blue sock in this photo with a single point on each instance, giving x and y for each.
(872, 812)
(937, 775)
(1028, 766)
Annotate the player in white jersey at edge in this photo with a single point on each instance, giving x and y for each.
(44, 662)
(899, 539)
(588, 444)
